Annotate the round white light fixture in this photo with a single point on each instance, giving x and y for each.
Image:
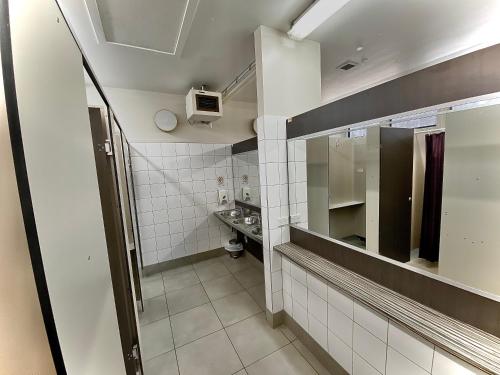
(165, 120)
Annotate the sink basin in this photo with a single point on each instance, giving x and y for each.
(232, 213)
(249, 220)
(257, 231)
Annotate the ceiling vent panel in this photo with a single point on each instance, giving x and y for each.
(158, 25)
(347, 65)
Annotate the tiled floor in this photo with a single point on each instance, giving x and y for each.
(209, 318)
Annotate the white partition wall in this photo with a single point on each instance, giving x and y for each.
(288, 83)
(62, 177)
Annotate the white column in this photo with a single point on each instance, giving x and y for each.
(288, 83)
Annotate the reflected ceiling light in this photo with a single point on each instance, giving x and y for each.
(314, 16)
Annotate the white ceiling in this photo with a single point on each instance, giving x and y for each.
(219, 45)
(400, 36)
(397, 37)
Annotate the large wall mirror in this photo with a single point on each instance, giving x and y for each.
(422, 190)
(246, 177)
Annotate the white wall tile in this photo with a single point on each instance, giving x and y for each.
(340, 325)
(340, 352)
(300, 315)
(182, 148)
(361, 367)
(148, 245)
(371, 320)
(411, 346)
(317, 286)
(318, 331)
(317, 307)
(145, 218)
(153, 149)
(159, 203)
(340, 301)
(398, 364)
(162, 229)
(168, 149)
(369, 347)
(299, 293)
(147, 231)
(298, 273)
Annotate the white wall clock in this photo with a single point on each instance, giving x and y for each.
(165, 120)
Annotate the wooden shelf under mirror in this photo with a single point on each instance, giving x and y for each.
(345, 204)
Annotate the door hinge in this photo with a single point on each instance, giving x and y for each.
(108, 148)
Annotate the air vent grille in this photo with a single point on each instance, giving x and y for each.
(347, 65)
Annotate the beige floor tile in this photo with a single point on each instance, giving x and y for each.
(152, 277)
(177, 270)
(209, 271)
(250, 277)
(313, 361)
(162, 365)
(154, 309)
(254, 339)
(286, 361)
(152, 288)
(235, 307)
(210, 355)
(181, 280)
(221, 287)
(185, 299)
(241, 372)
(238, 264)
(156, 338)
(258, 293)
(193, 324)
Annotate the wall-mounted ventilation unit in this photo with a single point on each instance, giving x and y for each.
(347, 65)
(203, 106)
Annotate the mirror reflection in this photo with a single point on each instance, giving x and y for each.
(246, 177)
(424, 191)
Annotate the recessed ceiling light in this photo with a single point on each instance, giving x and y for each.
(314, 16)
(360, 48)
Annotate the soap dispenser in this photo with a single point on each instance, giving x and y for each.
(246, 194)
(223, 197)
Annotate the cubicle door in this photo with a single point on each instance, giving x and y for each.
(115, 238)
(396, 178)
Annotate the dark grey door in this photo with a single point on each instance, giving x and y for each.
(396, 179)
(115, 239)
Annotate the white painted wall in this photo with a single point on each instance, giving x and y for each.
(63, 181)
(135, 110)
(288, 73)
(470, 237)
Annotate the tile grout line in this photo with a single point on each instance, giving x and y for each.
(223, 328)
(171, 329)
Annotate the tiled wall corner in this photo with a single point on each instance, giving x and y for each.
(273, 172)
(360, 339)
(176, 187)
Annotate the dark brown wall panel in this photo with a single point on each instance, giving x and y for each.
(244, 146)
(474, 74)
